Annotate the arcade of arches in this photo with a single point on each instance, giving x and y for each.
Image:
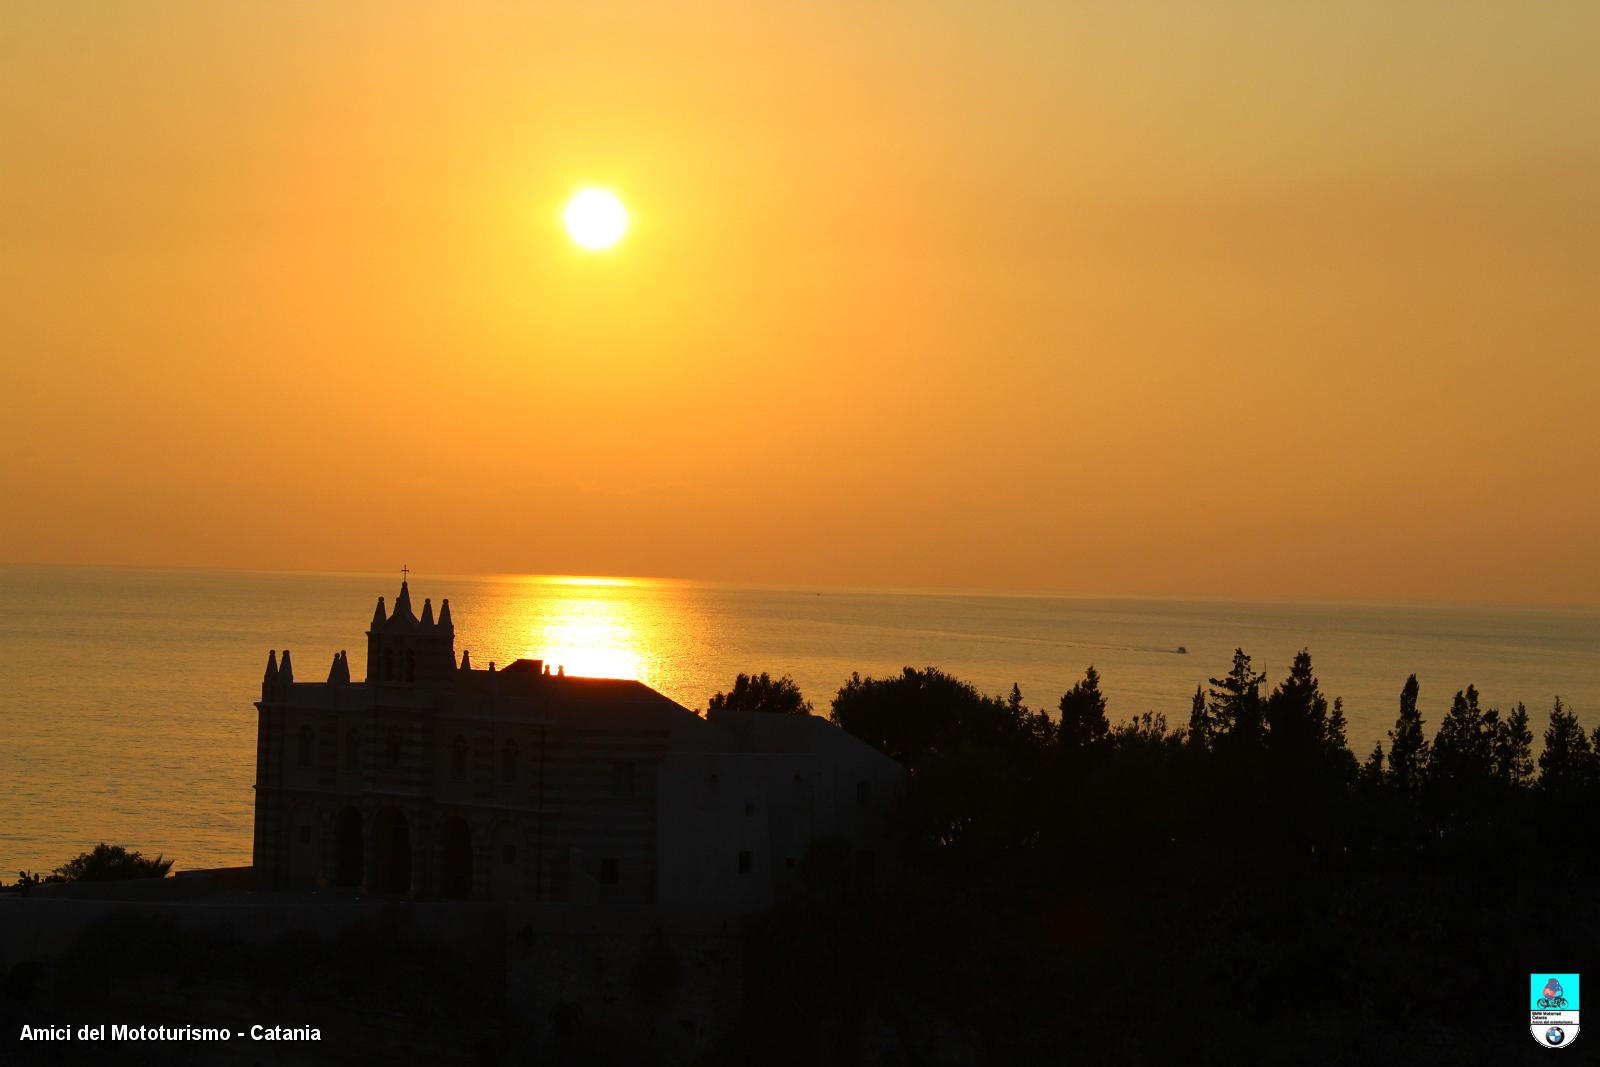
(387, 851)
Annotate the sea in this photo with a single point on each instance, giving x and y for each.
(126, 694)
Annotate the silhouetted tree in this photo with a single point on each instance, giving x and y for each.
(1235, 704)
(1513, 748)
(1336, 743)
(1408, 747)
(922, 711)
(1148, 730)
(105, 863)
(1083, 713)
(972, 804)
(1461, 766)
(1296, 713)
(1463, 749)
(1201, 728)
(1036, 725)
(763, 693)
(1567, 763)
(1371, 777)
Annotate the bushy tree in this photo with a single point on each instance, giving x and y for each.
(918, 712)
(1147, 731)
(106, 863)
(763, 693)
(1083, 713)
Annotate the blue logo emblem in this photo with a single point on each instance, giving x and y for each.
(1553, 1008)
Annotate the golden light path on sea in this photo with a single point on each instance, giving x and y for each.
(585, 628)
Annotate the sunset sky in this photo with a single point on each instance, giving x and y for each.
(1254, 299)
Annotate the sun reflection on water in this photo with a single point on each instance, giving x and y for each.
(587, 636)
(595, 627)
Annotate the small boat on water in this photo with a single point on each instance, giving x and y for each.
(1182, 651)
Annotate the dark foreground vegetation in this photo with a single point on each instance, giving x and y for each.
(103, 863)
(375, 1001)
(1237, 889)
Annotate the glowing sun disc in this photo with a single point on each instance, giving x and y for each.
(595, 218)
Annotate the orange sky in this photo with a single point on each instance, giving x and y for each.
(1150, 298)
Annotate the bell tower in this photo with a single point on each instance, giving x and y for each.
(405, 650)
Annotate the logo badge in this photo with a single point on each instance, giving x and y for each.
(1553, 1008)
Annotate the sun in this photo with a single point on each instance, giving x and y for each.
(595, 218)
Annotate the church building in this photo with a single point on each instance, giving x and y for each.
(430, 778)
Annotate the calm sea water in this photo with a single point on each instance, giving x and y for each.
(125, 695)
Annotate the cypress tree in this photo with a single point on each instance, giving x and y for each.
(1408, 747)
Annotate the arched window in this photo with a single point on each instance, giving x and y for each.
(394, 746)
(458, 757)
(352, 750)
(305, 746)
(411, 665)
(508, 761)
(388, 664)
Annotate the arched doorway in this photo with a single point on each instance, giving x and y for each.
(351, 850)
(303, 848)
(505, 862)
(457, 858)
(394, 852)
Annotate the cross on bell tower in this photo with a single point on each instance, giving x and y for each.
(403, 648)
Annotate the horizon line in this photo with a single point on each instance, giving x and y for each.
(985, 592)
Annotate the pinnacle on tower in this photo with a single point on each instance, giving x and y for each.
(427, 611)
(444, 615)
(378, 616)
(402, 605)
(285, 670)
(269, 680)
(466, 660)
